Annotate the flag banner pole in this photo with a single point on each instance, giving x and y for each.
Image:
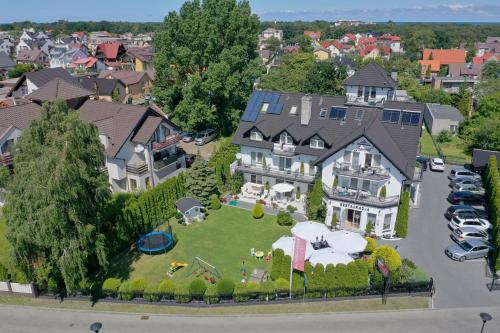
(291, 266)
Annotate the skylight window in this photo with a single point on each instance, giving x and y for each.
(322, 113)
(293, 110)
(264, 107)
(359, 114)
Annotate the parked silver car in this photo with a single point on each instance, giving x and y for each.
(468, 249)
(467, 233)
(205, 137)
(478, 223)
(466, 181)
(461, 172)
(469, 188)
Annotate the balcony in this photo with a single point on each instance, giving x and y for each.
(361, 101)
(373, 173)
(6, 159)
(169, 141)
(276, 172)
(168, 160)
(137, 169)
(360, 197)
(284, 149)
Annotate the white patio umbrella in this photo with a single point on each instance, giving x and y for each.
(346, 241)
(328, 256)
(286, 244)
(309, 230)
(283, 188)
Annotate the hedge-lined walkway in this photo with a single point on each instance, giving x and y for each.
(222, 239)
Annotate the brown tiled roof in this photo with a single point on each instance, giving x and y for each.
(147, 129)
(18, 116)
(28, 55)
(126, 77)
(58, 89)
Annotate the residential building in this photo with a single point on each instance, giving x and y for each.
(334, 46)
(87, 65)
(348, 23)
(34, 57)
(369, 52)
(272, 33)
(110, 53)
(6, 46)
(442, 58)
(471, 71)
(32, 81)
(101, 37)
(439, 118)
(6, 63)
(393, 42)
(291, 49)
(349, 38)
(267, 58)
(137, 84)
(486, 57)
(67, 57)
(314, 35)
(371, 85)
(355, 150)
(103, 89)
(139, 59)
(480, 159)
(321, 54)
(452, 85)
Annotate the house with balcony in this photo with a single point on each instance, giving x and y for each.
(363, 154)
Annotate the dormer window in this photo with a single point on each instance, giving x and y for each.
(286, 138)
(322, 113)
(293, 110)
(317, 143)
(264, 107)
(256, 135)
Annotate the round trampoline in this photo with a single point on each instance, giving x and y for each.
(155, 242)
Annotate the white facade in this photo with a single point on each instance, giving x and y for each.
(368, 94)
(270, 32)
(6, 46)
(66, 58)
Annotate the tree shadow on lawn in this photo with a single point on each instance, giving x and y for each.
(121, 265)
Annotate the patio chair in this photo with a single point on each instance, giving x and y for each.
(252, 252)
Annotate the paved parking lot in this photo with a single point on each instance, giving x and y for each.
(457, 284)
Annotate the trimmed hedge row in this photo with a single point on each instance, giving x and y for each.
(492, 187)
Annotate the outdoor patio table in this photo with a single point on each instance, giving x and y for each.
(259, 254)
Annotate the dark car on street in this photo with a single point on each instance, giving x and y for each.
(465, 198)
(424, 161)
(455, 210)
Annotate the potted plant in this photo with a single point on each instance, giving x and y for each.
(383, 193)
(369, 228)
(335, 182)
(302, 168)
(264, 163)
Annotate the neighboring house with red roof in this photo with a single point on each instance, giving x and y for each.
(488, 56)
(437, 58)
(110, 52)
(348, 38)
(314, 35)
(87, 65)
(394, 42)
(291, 49)
(369, 52)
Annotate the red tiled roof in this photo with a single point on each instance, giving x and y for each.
(390, 37)
(110, 50)
(482, 59)
(313, 34)
(366, 50)
(435, 65)
(386, 50)
(351, 36)
(445, 57)
(328, 43)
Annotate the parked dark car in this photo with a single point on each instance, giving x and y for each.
(455, 210)
(424, 161)
(188, 136)
(190, 159)
(465, 198)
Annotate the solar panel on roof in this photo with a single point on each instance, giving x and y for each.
(252, 109)
(276, 109)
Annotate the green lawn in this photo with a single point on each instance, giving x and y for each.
(4, 245)
(427, 147)
(455, 150)
(222, 239)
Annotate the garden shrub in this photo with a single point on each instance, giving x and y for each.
(291, 209)
(19, 277)
(371, 245)
(297, 284)
(258, 211)
(215, 202)
(383, 192)
(138, 285)
(211, 295)
(280, 265)
(389, 256)
(267, 291)
(316, 283)
(4, 273)
(181, 293)
(443, 136)
(284, 218)
(125, 292)
(297, 193)
(403, 274)
(225, 287)
(330, 276)
(243, 292)
(369, 227)
(166, 288)
(281, 286)
(52, 286)
(197, 288)
(408, 263)
(151, 293)
(401, 227)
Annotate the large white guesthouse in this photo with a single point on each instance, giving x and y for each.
(363, 148)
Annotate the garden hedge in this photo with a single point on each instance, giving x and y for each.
(401, 227)
(138, 285)
(125, 292)
(371, 245)
(211, 295)
(166, 288)
(225, 287)
(492, 187)
(281, 286)
(4, 273)
(267, 291)
(151, 293)
(197, 288)
(182, 294)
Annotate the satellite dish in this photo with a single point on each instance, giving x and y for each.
(139, 148)
(239, 156)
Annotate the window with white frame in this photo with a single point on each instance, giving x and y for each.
(256, 157)
(255, 135)
(293, 110)
(286, 138)
(322, 113)
(317, 143)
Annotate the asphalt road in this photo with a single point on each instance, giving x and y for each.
(25, 319)
(457, 284)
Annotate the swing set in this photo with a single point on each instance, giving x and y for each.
(201, 268)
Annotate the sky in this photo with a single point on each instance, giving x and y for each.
(268, 10)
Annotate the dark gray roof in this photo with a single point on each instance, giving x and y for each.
(185, 204)
(6, 61)
(42, 77)
(399, 143)
(372, 75)
(101, 87)
(480, 157)
(438, 111)
(58, 89)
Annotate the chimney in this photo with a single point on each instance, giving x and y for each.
(394, 75)
(305, 113)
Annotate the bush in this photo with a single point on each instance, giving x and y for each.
(243, 292)
(280, 265)
(297, 193)
(267, 291)
(138, 285)
(284, 218)
(371, 245)
(19, 277)
(389, 256)
(369, 227)
(225, 287)
(215, 202)
(316, 282)
(281, 286)
(335, 220)
(211, 295)
(181, 294)
(443, 136)
(166, 288)
(178, 216)
(401, 226)
(111, 286)
(151, 293)
(383, 192)
(197, 288)
(4, 273)
(125, 292)
(258, 211)
(291, 209)
(52, 286)
(408, 263)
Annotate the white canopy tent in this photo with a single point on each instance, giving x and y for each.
(310, 230)
(346, 241)
(286, 244)
(329, 256)
(283, 188)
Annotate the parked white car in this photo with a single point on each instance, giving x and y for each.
(437, 164)
(478, 223)
(467, 233)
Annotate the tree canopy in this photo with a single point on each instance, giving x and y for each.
(53, 201)
(206, 63)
